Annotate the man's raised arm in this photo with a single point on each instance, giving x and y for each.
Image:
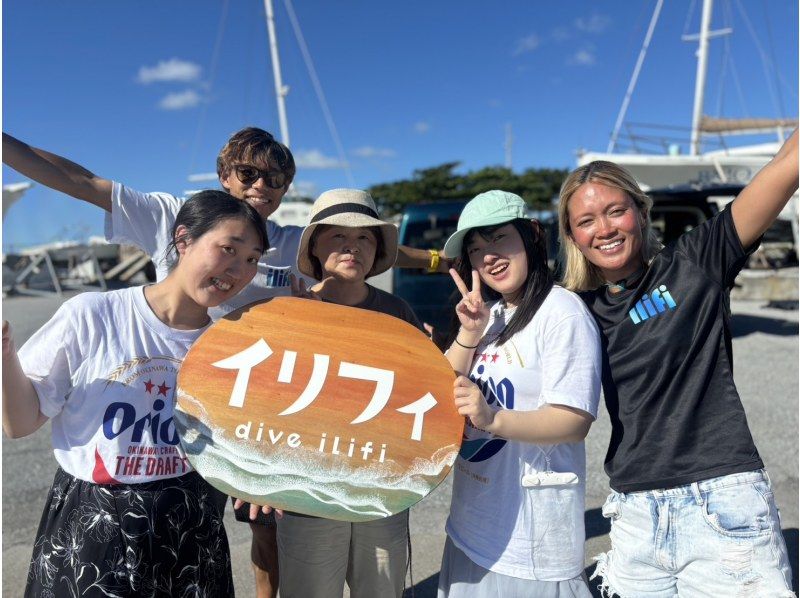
(56, 172)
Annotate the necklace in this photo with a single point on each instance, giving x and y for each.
(626, 283)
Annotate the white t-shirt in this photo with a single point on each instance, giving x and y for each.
(537, 532)
(105, 368)
(146, 219)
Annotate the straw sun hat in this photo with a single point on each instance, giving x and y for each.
(352, 208)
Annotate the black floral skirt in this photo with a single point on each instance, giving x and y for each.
(161, 538)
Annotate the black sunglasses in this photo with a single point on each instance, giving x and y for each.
(248, 175)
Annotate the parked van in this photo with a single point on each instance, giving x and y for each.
(431, 296)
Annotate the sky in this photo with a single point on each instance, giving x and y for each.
(146, 93)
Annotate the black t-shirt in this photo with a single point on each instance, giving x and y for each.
(668, 367)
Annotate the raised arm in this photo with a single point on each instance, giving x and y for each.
(21, 414)
(431, 259)
(56, 172)
(759, 204)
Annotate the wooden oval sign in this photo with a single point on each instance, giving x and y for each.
(318, 408)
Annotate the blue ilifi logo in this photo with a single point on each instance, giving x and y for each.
(651, 305)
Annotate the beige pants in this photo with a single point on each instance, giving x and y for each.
(316, 556)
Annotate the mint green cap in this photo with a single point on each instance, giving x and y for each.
(486, 209)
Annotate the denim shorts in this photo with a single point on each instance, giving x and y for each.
(717, 537)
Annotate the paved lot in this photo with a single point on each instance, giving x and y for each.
(766, 370)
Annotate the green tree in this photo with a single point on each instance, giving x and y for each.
(537, 186)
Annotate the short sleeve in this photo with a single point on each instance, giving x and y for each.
(48, 358)
(409, 316)
(715, 247)
(571, 363)
(144, 220)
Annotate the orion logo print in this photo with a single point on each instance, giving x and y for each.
(483, 447)
(651, 305)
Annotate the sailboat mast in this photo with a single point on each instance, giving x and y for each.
(700, 80)
(281, 90)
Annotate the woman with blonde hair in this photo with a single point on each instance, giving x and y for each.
(691, 508)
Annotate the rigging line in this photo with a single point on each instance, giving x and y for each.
(247, 94)
(728, 11)
(624, 108)
(689, 15)
(312, 73)
(212, 75)
(782, 112)
(726, 56)
(765, 61)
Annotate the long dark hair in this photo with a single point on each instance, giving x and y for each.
(535, 288)
(205, 210)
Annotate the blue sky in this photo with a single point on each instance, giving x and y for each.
(136, 92)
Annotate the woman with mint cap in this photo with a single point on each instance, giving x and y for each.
(528, 355)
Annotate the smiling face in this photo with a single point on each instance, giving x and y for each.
(346, 253)
(606, 226)
(217, 265)
(498, 255)
(258, 194)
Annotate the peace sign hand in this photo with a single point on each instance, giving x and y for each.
(472, 312)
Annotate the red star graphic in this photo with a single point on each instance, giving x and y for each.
(163, 388)
(148, 386)
(495, 356)
(484, 356)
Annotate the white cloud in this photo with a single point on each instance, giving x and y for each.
(422, 127)
(306, 188)
(202, 177)
(315, 159)
(527, 44)
(368, 151)
(594, 24)
(584, 57)
(173, 69)
(180, 100)
(561, 34)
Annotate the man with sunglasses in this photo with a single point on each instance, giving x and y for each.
(252, 166)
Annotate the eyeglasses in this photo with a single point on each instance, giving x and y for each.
(248, 175)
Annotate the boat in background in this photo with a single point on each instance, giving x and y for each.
(725, 168)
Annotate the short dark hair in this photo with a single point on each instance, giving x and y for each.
(206, 209)
(380, 248)
(252, 145)
(536, 287)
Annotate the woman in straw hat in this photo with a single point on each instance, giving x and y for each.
(529, 353)
(344, 244)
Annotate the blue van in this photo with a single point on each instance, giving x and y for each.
(431, 296)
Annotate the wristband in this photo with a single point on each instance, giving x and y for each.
(434, 265)
(465, 346)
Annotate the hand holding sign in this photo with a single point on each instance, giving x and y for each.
(471, 403)
(298, 286)
(318, 408)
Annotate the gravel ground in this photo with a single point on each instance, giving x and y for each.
(766, 371)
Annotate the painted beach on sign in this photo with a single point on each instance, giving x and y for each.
(320, 409)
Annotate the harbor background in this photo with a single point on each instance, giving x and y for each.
(765, 344)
